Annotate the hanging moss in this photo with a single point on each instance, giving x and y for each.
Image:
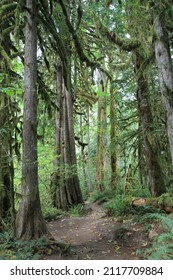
(7, 8)
(6, 31)
(5, 56)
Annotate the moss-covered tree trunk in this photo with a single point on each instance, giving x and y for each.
(6, 130)
(65, 178)
(165, 68)
(114, 147)
(101, 125)
(89, 166)
(83, 158)
(155, 176)
(99, 177)
(29, 222)
(6, 161)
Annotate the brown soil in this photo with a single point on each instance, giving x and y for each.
(98, 237)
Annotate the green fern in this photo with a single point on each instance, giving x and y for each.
(159, 253)
(162, 248)
(17, 250)
(167, 221)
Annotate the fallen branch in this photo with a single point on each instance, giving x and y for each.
(163, 202)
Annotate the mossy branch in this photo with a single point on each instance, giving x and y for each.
(124, 43)
(78, 46)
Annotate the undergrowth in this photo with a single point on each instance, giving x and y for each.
(52, 213)
(102, 197)
(117, 206)
(11, 249)
(16, 250)
(162, 247)
(77, 210)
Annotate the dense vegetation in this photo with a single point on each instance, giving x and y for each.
(86, 111)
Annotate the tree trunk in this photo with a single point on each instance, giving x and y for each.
(6, 164)
(163, 202)
(83, 159)
(101, 125)
(65, 179)
(155, 176)
(100, 145)
(6, 128)
(90, 185)
(165, 68)
(114, 148)
(29, 222)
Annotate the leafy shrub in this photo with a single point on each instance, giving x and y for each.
(78, 210)
(137, 191)
(52, 213)
(102, 197)
(117, 206)
(162, 247)
(17, 250)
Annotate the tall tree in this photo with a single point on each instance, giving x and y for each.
(29, 221)
(65, 182)
(101, 119)
(155, 175)
(134, 44)
(165, 68)
(144, 54)
(6, 117)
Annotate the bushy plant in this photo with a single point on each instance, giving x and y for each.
(17, 250)
(52, 213)
(78, 210)
(117, 206)
(162, 247)
(102, 197)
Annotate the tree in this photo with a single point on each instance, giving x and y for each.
(6, 120)
(101, 123)
(65, 181)
(29, 221)
(165, 68)
(155, 175)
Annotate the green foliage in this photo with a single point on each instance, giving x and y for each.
(102, 197)
(138, 191)
(165, 199)
(117, 206)
(52, 213)
(162, 247)
(17, 250)
(10, 91)
(77, 210)
(140, 211)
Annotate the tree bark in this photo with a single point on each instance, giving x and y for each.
(90, 184)
(155, 176)
(6, 130)
(100, 145)
(29, 221)
(6, 163)
(114, 148)
(65, 178)
(165, 69)
(83, 158)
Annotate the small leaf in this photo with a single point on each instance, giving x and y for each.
(49, 251)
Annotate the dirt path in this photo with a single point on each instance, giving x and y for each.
(98, 237)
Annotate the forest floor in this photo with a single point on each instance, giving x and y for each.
(99, 237)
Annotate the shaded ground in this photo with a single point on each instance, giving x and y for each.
(99, 237)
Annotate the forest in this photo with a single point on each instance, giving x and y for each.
(86, 129)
